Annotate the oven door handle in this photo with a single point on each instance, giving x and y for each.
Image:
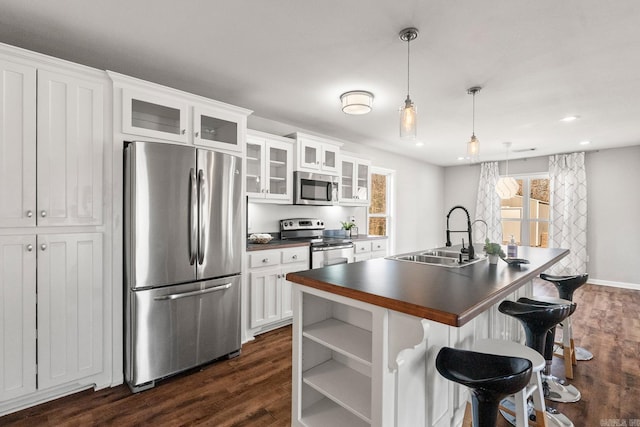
(331, 248)
(193, 293)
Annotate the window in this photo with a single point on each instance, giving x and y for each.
(526, 215)
(381, 202)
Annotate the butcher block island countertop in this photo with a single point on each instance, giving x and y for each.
(366, 335)
(452, 296)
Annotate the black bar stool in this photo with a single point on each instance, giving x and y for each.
(490, 377)
(566, 286)
(555, 389)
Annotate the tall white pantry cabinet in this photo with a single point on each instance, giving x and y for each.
(55, 245)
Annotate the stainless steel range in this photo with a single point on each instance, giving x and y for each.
(325, 250)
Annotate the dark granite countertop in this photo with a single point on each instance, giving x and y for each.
(452, 296)
(275, 244)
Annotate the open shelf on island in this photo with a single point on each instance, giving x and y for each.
(345, 386)
(326, 413)
(342, 337)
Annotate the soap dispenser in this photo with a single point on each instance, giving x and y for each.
(512, 248)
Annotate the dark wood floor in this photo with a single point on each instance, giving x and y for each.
(255, 388)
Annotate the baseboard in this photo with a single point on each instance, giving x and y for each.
(624, 285)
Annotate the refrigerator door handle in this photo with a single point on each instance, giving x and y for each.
(202, 217)
(193, 293)
(193, 216)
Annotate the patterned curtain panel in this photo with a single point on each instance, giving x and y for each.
(488, 203)
(568, 222)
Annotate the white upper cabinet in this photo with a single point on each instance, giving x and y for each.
(69, 155)
(157, 116)
(159, 112)
(17, 145)
(355, 181)
(70, 150)
(217, 128)
(314, 154)
(269, 167)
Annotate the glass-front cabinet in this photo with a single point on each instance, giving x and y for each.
(154, 115)
(190, 121)
(314, 154)
(354, 181)
(269, 168)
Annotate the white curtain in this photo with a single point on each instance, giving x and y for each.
(568, 222)
(488, 202)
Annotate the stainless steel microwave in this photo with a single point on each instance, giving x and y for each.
(314, 189)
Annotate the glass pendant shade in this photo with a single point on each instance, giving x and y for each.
(356, 102)
(408, 120)
(507, 187)
(473, 148)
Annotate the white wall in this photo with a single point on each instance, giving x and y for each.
(613, 230)
(418, 188)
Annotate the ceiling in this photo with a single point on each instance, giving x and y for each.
(289, 61)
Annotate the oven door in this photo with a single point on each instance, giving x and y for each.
(315, 189)
(331, 255)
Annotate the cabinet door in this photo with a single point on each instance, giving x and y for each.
(346, 180)
(285, 289)
(154, 115)
(70, 150)
(310, 153)
(216, 129)
(69, 307)
(362, 177)
(18, 319)
(17, 145)
(255, 168)
(265, 296)
(278, 170)
(330, 158)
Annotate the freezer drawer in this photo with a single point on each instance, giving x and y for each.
(175, 328)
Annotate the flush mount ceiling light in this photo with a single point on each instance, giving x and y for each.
(356, 102)
(507, 186)
(473, 146)
(408, 114)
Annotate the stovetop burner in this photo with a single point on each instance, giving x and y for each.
(309, 230)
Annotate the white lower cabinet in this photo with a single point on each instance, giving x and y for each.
(18, 320)
(369, 249)
(269, 291)
(65, 342)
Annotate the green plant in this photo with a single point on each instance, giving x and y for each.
(347, 225)
(493, 249)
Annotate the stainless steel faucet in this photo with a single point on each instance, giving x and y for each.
(470, 250)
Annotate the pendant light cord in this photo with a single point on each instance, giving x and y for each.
(473, 116)
(408, 63)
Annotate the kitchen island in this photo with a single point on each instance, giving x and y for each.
(365, 336)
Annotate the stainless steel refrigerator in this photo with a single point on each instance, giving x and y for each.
(182, 255)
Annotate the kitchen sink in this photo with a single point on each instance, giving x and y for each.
(443, 258)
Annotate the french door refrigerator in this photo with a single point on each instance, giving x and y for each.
(182, 255)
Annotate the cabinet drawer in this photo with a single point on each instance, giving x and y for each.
(295, 255)
(364, 246)
(264, 258)
(379, 245)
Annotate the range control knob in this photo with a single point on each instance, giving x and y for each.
(290, 223)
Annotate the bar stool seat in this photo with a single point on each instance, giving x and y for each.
(516, 409)
(489, 377)
(566, 286)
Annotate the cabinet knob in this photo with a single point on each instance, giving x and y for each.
(29, 214)
(294, 257)
(265, 260)
(197, 133)
(43, 247)
(29, 247)
(43, 214)
(318, 162)
(183, 131)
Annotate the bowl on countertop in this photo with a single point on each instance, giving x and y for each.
(260, 238)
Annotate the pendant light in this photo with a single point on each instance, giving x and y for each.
(507, 187)
(408, 115)
(473, 146)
